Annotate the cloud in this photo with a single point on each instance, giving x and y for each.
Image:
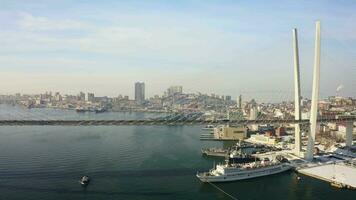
(169, 45)
(33, 23)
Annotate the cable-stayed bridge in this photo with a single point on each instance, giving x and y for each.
(167, 121)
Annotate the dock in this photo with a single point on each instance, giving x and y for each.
(340, 174)
(339, 171)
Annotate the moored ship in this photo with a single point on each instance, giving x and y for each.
(215, 152)
(233, 172)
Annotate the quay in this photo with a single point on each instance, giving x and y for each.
(339, 174)
(339, 171)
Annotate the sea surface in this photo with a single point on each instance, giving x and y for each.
(125, 162)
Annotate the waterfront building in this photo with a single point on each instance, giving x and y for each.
(263, 139)
(230, 132)
(140, 92)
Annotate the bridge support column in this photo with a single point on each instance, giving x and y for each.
(315, 95)
(297, 111)
(349, 130)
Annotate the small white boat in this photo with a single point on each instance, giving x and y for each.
(84, 181)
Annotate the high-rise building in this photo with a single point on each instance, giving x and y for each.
(240, 101)
(90, 97)
(57, 96)
(81, 96)
(174, 90)
(140, 92)
(253, 113)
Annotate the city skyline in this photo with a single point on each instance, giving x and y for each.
(138, 94)
(238, 99)
(212, 48)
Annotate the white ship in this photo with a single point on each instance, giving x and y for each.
(233, 172)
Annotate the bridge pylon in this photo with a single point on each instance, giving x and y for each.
(315, 95)
(297, 98)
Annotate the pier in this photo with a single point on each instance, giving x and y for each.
(340, 171)
(344, 175)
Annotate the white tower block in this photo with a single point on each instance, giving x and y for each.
(349, 129)
(315, 94)
(297, 111)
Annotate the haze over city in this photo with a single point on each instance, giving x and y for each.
(223, 47)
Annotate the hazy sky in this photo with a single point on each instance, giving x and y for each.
(223, 47)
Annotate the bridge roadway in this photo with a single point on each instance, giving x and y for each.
(160, 122)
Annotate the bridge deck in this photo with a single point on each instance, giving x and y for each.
(158, 122)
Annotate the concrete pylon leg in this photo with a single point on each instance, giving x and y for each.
(315, 94)
(297, 98)
(349, 130)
